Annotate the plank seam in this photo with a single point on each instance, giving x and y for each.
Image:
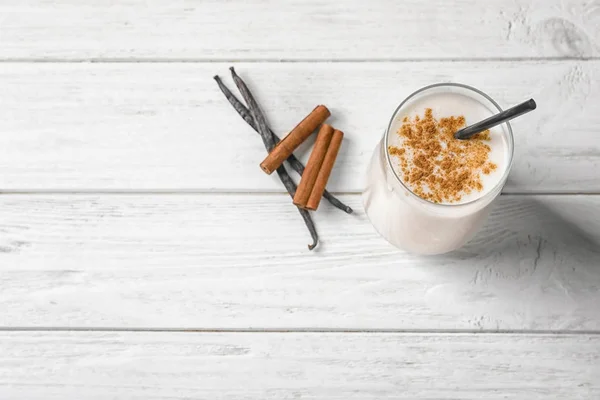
(117, 60)
(169, 192)
(303, 330)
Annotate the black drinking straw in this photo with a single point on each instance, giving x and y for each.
(494, 120)
(265, 133)
(295, 163)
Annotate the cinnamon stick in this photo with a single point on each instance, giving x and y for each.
(294, 139)
(325, 171)
(292, 159)
(313, 166)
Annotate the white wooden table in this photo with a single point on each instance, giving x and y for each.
(143, 253)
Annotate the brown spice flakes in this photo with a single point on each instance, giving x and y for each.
(396, 151)
(438, 167)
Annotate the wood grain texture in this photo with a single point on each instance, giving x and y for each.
(146, 116)
(138, 365)
(240, 261)
(300, 29)
(168, 127)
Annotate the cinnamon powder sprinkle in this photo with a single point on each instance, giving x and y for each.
(435, 165)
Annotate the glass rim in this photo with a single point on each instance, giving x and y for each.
(462, 86)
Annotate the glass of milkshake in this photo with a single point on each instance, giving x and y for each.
(426, 192)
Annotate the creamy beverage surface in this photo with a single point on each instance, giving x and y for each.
(444, 105)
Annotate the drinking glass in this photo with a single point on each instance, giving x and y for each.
(410, 222)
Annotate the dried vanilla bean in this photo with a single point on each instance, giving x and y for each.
(269, 143)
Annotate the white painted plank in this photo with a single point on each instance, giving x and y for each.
(298, 29)
(240, 261)
(168, 127)
(142, 365)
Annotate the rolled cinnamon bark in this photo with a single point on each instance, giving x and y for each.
(294, 139)
(313, 166)
(325, 171)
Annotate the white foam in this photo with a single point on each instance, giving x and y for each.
(455, 104)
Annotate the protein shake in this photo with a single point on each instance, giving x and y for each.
(427, 192)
